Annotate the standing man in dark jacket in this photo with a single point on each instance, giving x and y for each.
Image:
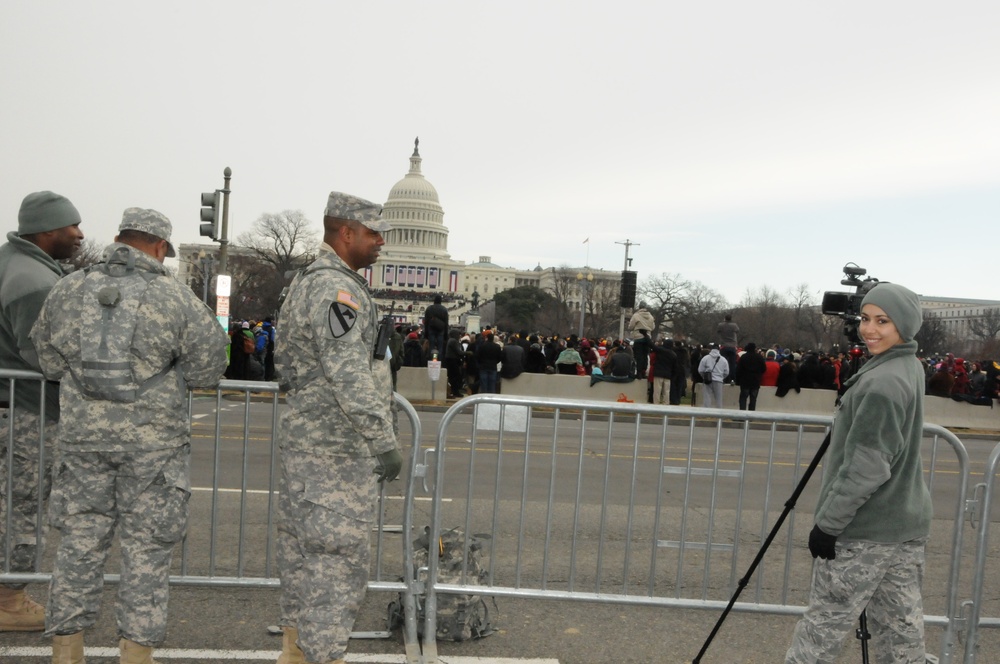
(750, 369)
(436, 326)
(666, 369)
(640, 351)
(48, 230)
(488, 355)
(454, 356)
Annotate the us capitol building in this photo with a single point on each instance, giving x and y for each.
(415, 265)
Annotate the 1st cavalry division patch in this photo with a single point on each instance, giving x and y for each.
(342, 318)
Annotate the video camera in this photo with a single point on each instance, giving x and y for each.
(848, 305)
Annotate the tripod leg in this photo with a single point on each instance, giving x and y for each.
(789, 506)
(863, 635)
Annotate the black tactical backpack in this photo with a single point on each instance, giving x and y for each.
(459, 617)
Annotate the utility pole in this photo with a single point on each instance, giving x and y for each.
(628, 281)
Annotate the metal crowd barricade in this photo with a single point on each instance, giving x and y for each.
(985, 496)
(14, 377)
(232, 528)
(222, 567)
(639, 504)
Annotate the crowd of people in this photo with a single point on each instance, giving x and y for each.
(671, 366)
(251, 350)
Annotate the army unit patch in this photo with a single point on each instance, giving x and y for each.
(342, 318)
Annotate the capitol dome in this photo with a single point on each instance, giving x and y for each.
(416, 215)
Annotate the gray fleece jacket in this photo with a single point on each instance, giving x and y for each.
(27, 274)
(873, 487)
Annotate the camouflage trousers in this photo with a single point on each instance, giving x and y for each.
(146, 494)
(29, 480)
(882, 578)
(325, 512)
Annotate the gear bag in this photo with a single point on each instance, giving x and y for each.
(459, 617)
(706, 376)
(113, 293)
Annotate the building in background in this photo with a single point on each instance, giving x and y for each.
(414, 265)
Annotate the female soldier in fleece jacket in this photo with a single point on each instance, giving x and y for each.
(874, 510)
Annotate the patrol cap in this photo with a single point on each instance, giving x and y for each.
(45, 211)
(148, 221)
(352, 208)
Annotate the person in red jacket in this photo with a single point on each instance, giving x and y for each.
(771, 370)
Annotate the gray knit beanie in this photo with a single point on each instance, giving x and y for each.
(44, 211)
(901, 304)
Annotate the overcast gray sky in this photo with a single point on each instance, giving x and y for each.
(741, 144)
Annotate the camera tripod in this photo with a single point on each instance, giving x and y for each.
(862, 632)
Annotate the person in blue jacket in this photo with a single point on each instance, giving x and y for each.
(873, 515)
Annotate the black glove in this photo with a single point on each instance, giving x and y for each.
(389, 465)
(821, 544)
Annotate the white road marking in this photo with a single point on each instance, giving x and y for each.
(264, 491)
(264, 656)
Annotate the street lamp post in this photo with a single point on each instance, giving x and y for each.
(585, 282)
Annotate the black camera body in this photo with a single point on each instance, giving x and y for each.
(847, 306)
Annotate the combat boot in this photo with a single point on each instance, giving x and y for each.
(18, 613)
(290, 652)
(68, 649)
(133, 653)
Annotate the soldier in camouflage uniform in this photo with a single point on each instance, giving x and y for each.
(127, 340)
(874, 510)
(48, 230)
(337, 432)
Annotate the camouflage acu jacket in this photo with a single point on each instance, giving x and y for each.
(176, 339)
(339, 396)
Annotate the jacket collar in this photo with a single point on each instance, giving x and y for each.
(899, 350)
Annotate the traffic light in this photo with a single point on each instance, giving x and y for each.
(628, 289)
(211, 212)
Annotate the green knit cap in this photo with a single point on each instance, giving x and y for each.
(45, 211)
(901, 304)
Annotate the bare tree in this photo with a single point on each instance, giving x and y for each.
(603, 309)
(987, 326)
(809, 327)
(557, 317)
(286, 241)
(932, 337)
(280, 244)
(762, 315)
(698, 317)
(666, 297)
